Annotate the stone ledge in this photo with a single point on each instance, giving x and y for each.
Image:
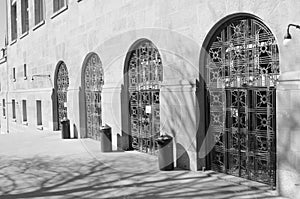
(24, 34)
(38, 25)
(59, 11)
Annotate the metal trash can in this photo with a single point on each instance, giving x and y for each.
(105, 138)
(65, 128)
(165, 153)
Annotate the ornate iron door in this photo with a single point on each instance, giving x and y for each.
(62, 84)
(249, 138)
(242, 69)
(93, 79)
(145, 75)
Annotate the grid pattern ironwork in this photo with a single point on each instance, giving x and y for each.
(93, 82)
(241, 70)
(145, 75)
(62, 84)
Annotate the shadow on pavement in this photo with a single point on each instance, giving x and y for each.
(50, 177)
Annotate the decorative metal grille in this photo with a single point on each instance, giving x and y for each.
(241, 71)
(62, 83)
(145, 75)
(93, 82)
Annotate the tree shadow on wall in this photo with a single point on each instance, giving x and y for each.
(188, 106)
(286, 155)
(182, 157)
(50, 177)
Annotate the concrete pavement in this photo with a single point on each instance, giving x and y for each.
(40, 164)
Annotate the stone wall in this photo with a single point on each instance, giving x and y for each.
(3, 94)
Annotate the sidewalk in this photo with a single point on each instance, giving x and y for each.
(42, 165)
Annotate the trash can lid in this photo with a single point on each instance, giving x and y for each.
(164, 137)
(105, 127)
(64, 119)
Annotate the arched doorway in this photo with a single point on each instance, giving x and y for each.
(241, 69)
(143, 76)
(92, 87)
(61, 87)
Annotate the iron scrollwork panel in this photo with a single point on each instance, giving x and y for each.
(155, 115)
(236, 131)
(145, 75)
(145, 120)
(247, 146)
(263, 133)
(134, 118)
(62, 88)
(93, 80)
(217, 118)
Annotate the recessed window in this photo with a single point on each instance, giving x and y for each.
(58, 4)
(24, 13)
(25, 71)
(14, 74)
(38, 11)
(13, 12)
(3, 107)
(24, 108)
(13, 103)
(39, 112)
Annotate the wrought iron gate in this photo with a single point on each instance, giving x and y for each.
(62, 84)
(93, 82)
(145, 75)
(242, 69)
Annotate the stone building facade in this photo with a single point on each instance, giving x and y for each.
(3, 90)
(195, 70)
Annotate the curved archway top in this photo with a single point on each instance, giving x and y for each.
(227, 19)
(61, 74)
(139, 44)
(240, 48)
(92, 74)
(88, 57)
